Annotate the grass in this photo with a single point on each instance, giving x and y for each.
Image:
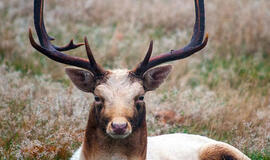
(222, 92)
(244, 69)
(260, 156)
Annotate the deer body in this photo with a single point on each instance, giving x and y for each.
(166, 147)
(176, 147)
(116, 128)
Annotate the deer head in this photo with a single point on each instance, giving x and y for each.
(119, 108)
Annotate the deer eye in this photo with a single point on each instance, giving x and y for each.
(97, 99)
(141, 98)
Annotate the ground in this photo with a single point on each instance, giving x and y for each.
(222, 92)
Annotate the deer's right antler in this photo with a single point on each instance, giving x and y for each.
(54, 52)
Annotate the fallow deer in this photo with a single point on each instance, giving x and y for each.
(116, 128)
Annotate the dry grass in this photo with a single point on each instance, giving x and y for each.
(40, 119)
(222, 93)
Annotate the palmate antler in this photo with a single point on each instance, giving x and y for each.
(196, 44)
(54, 52)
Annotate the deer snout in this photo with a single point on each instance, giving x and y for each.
(119, 128)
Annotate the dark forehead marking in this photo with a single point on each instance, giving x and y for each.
(134, 78)
(103, 78)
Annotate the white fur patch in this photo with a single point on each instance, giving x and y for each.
(77, 155)
(175, 147)
(179, 147)
(119, 90)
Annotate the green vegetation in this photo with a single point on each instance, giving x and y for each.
(240, 70)
(259, 155)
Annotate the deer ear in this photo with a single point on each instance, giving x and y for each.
(82, 79)
(153, 78)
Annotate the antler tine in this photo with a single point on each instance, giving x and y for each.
(53, 52)
(145, 61)
(196, 44)
(148, 54)
(58, 56)
(69, 46)
(98, 71)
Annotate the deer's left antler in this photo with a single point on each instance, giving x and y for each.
(196, 44)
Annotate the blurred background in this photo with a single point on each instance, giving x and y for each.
(223, 92)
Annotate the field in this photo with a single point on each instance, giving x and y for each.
(223, 92)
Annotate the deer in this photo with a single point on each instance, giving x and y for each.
(116, 127)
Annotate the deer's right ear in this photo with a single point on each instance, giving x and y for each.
(82, 79)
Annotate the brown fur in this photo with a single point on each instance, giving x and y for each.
(96, 142)
(221, 152)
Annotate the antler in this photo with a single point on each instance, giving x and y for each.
(53, 52)
(196, 44)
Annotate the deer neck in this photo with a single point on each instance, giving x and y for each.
(97, 145)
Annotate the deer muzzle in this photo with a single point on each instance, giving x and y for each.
(119, 128)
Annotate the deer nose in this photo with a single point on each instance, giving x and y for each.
(119, 128)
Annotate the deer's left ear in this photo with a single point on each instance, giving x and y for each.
(153, 78)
